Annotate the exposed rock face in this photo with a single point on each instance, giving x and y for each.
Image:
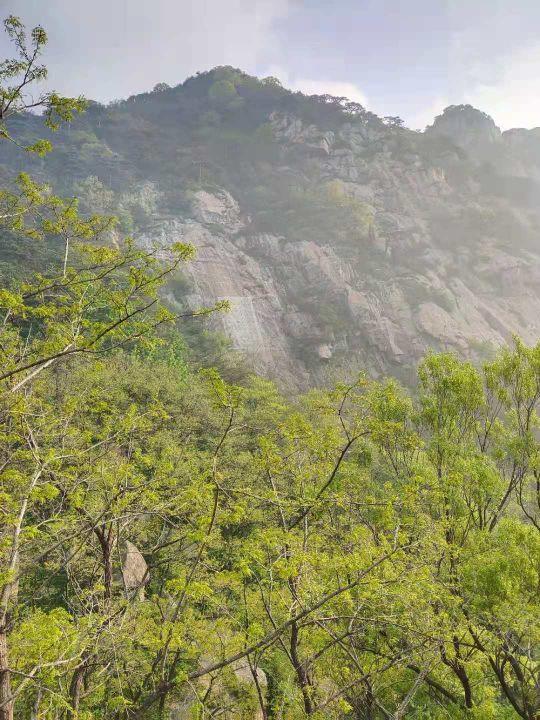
(341, 242)
(218, 207)
(442, 264)
(467, 127)
(225, 270)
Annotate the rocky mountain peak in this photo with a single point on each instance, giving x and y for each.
(342, 241)
(467, 127)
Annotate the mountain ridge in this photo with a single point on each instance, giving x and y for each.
(344, 241)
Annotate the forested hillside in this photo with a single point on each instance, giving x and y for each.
(178, 538)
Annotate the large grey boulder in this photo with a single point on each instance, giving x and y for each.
(134, 570)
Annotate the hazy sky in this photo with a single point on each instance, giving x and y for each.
(401, 57)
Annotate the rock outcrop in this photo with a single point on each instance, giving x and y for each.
(134, 570)
(341, 241)
(443, 263)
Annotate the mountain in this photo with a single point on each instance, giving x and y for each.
(343, 240)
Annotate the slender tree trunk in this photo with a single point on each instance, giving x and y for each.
(75, 690)
(460, 672)
(260, 695)
(525, 712)
(301, 673)
(465, 684)
(36, 706)
(6, 704)
(106, 540)
(66, 254)
(107, 571)
(7, 596)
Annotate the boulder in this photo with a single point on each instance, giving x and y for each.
(134, 569)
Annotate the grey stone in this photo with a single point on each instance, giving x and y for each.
(134, 569)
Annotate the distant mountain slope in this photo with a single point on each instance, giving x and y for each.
(342, 240)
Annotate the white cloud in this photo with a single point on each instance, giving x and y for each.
(330, 87)
(425, 116)
(113, 48)
(505, 87)
(494, 59)
(512, 99)
(309, 86)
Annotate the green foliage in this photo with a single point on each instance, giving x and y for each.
(356, 532)
(19, 73)
(222, 91)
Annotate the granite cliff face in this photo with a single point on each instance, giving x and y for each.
(450, 265)
(342, 241)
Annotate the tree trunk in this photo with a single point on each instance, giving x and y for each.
(458, 668)
(260, 695)
(6, 704)
(36, 706)
(459, 671)
(301, 673)
(465, 684)
(106, 540)
(75, 689)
